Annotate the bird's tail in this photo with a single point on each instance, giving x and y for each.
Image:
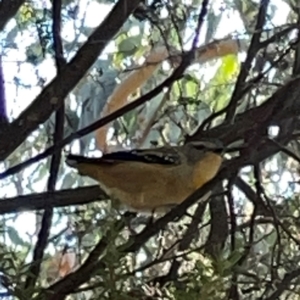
(74, 160)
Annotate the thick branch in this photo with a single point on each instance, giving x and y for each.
(8, 8)
(219, 229)
(51, 98)
(61, 198)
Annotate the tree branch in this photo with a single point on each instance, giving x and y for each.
(46, 223)
(246, 66)
(219, 229)
(79, 196)
(283, 104)
(261, 208)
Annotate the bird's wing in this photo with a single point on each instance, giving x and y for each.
(162, 156)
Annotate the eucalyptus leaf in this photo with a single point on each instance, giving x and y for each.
(129, 45)
(15, 237)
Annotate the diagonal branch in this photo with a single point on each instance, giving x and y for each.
(186, 60)
(244, 187)
(8, 8)
(52, 97)
(283, 104)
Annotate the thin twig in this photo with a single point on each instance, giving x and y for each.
(253, 48)
(286, 150)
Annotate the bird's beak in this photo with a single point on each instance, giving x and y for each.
(235, 149)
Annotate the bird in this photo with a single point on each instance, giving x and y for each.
(147, 180)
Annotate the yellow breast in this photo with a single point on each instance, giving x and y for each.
(206, 169)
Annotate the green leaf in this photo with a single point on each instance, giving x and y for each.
(129, 45)
(26, 13)
(232, 260)
(34, 54)
(229, 67)
(191, 85)
(15, 237)
(223, 81)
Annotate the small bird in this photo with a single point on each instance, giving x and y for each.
(152, 179)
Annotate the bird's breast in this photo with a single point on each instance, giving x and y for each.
(206, 169)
